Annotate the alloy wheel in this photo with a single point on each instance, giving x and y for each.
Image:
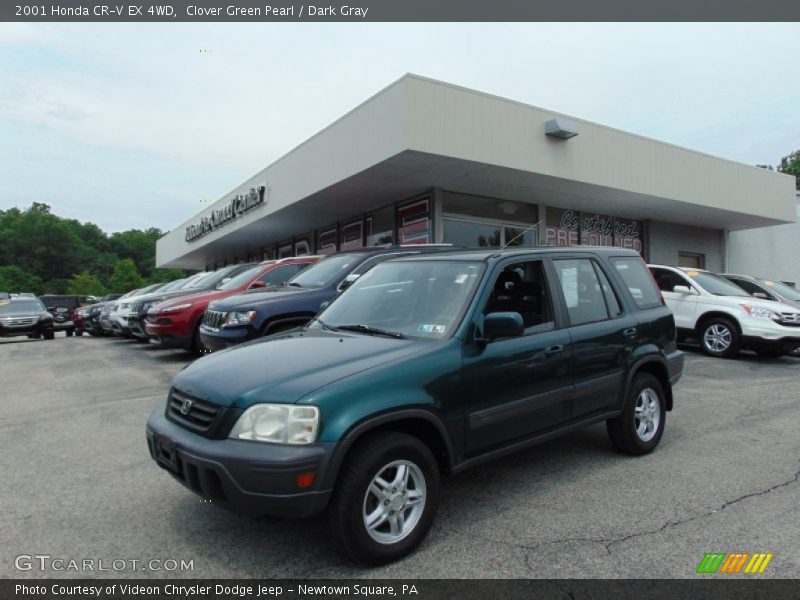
(647, 414)
(717, 338)
(394, 501)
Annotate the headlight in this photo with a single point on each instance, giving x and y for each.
(760, 313)
(240, 318)
(278, 423)
(175, 308)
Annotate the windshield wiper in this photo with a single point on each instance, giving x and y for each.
(323, 324)
(372, 330)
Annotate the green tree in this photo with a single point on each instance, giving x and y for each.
(139, 246)
(165, 275)
(791, 166)
(13, 279)
(125, 277)
(85, 284)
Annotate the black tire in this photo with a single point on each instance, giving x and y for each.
(770, 352)
(70, 332)
(726, 329)
(623, 429)
(350, 497)
(79, 333)
(50, 335)
(197, 346)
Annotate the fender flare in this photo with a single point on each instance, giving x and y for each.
(635, 367)
(359, 429)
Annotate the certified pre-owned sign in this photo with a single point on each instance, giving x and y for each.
(239, 205)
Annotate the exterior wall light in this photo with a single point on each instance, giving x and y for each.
(560, 128)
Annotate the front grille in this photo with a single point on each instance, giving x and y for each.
(790, 319)
(136, 308)
(214, 319)
(18, 321)
(190, 411)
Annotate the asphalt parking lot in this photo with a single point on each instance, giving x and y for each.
(78, 482)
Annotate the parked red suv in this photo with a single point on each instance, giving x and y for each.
(175, 323)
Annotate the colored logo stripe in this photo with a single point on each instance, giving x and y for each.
(721, 562)
(758, 563)
(711, 562)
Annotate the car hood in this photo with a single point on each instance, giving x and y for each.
(203, 296)
(247, 300)
(285, 368)
(156, 297)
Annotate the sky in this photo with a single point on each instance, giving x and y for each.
(138, 125)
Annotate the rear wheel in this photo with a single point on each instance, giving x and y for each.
(70, 332)
(719, 337)
(640, 426)
(386, 498)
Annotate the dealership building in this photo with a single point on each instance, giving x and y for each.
(424, 161)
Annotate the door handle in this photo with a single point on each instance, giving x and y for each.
(629, 332)
(552, 350)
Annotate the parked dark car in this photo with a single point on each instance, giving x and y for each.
(63, 309)
(198, 283)
(257, 313)
(91, 318)
(425, 365)
(766, 289)
(25, 316)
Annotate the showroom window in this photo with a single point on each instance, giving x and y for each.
(414, 222)
(352, 236)
(380, 227)
(691, 260)
(566, 227)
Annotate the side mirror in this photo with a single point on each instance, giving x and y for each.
(683, 289)
(256, 284)
(324, 305)
(502, 325)
(348, 281)
(761, 295)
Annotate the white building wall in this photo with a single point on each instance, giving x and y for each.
(666, 240)
(770, 252)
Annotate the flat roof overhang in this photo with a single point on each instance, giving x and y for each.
(418, 134)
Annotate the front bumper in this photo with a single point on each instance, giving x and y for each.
(770, 336)
(248, 477)
(224, 338)
(35, 329)
(136, 325)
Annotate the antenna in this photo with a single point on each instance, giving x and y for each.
(516, 237)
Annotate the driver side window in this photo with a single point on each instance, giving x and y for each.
(522, 288)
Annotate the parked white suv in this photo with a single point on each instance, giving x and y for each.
(723, 317)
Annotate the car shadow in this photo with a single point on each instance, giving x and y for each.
(264, 546)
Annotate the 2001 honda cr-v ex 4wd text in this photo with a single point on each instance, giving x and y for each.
(425, 365)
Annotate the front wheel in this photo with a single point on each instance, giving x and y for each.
(79, 333)
(386, 498)
(70, 332)
(640, 426)
(719, 338)
(49, 335)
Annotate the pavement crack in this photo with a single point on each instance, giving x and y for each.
(607, 543)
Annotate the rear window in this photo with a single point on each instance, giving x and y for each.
(638, 280)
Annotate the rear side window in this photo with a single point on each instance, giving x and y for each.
(638, 280)
(582, 291)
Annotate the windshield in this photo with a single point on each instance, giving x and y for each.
(782, 289)
(240, 279)
(714, 284)
(22, 306)
(326, 271)
(414, 298)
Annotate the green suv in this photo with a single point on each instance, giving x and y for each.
(425, 366)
